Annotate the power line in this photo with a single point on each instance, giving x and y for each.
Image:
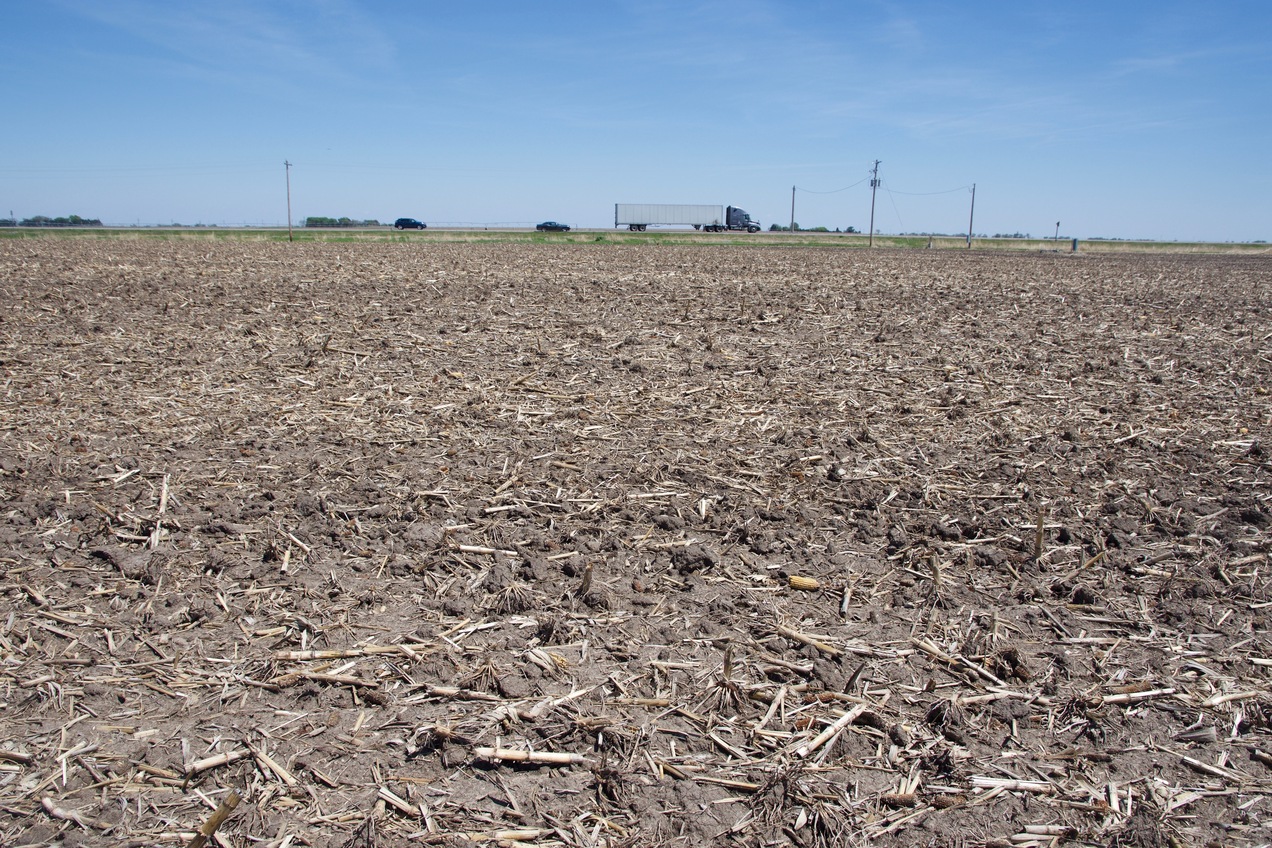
(892, 199)
(835, 191)
(156, 169)
(891, 192)
(924, 193)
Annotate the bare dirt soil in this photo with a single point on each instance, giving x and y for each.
(600, 545)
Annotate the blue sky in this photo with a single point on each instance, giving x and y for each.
(1117, 119)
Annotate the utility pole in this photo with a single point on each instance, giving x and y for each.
(874, 185)
(970, 217)
(287, 166)
(792, 209)
(1057, 238)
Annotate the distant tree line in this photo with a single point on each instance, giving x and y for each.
(941, 235)
(320, 221)
(975, 235)
(45, 221)
(778, 228)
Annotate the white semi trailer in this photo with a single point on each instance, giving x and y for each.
(709, 217)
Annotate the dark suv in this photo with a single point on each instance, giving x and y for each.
(409, 224)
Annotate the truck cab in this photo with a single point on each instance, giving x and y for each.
(738, 219)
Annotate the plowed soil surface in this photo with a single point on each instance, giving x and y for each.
(602, 545)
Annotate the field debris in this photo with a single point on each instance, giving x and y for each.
(579, 545)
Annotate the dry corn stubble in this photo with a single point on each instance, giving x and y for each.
(454, 542)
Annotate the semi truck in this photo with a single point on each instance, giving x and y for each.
(709, 217)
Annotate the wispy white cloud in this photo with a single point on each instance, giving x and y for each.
(1157, 64)
(247, 42)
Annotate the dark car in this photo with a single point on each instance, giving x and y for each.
(409, 224)
(553, 226)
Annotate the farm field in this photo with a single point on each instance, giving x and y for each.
(660, 236)
(570, 544)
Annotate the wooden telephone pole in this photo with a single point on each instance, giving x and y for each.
(874, 186)
(287, 166)
(970, 217)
